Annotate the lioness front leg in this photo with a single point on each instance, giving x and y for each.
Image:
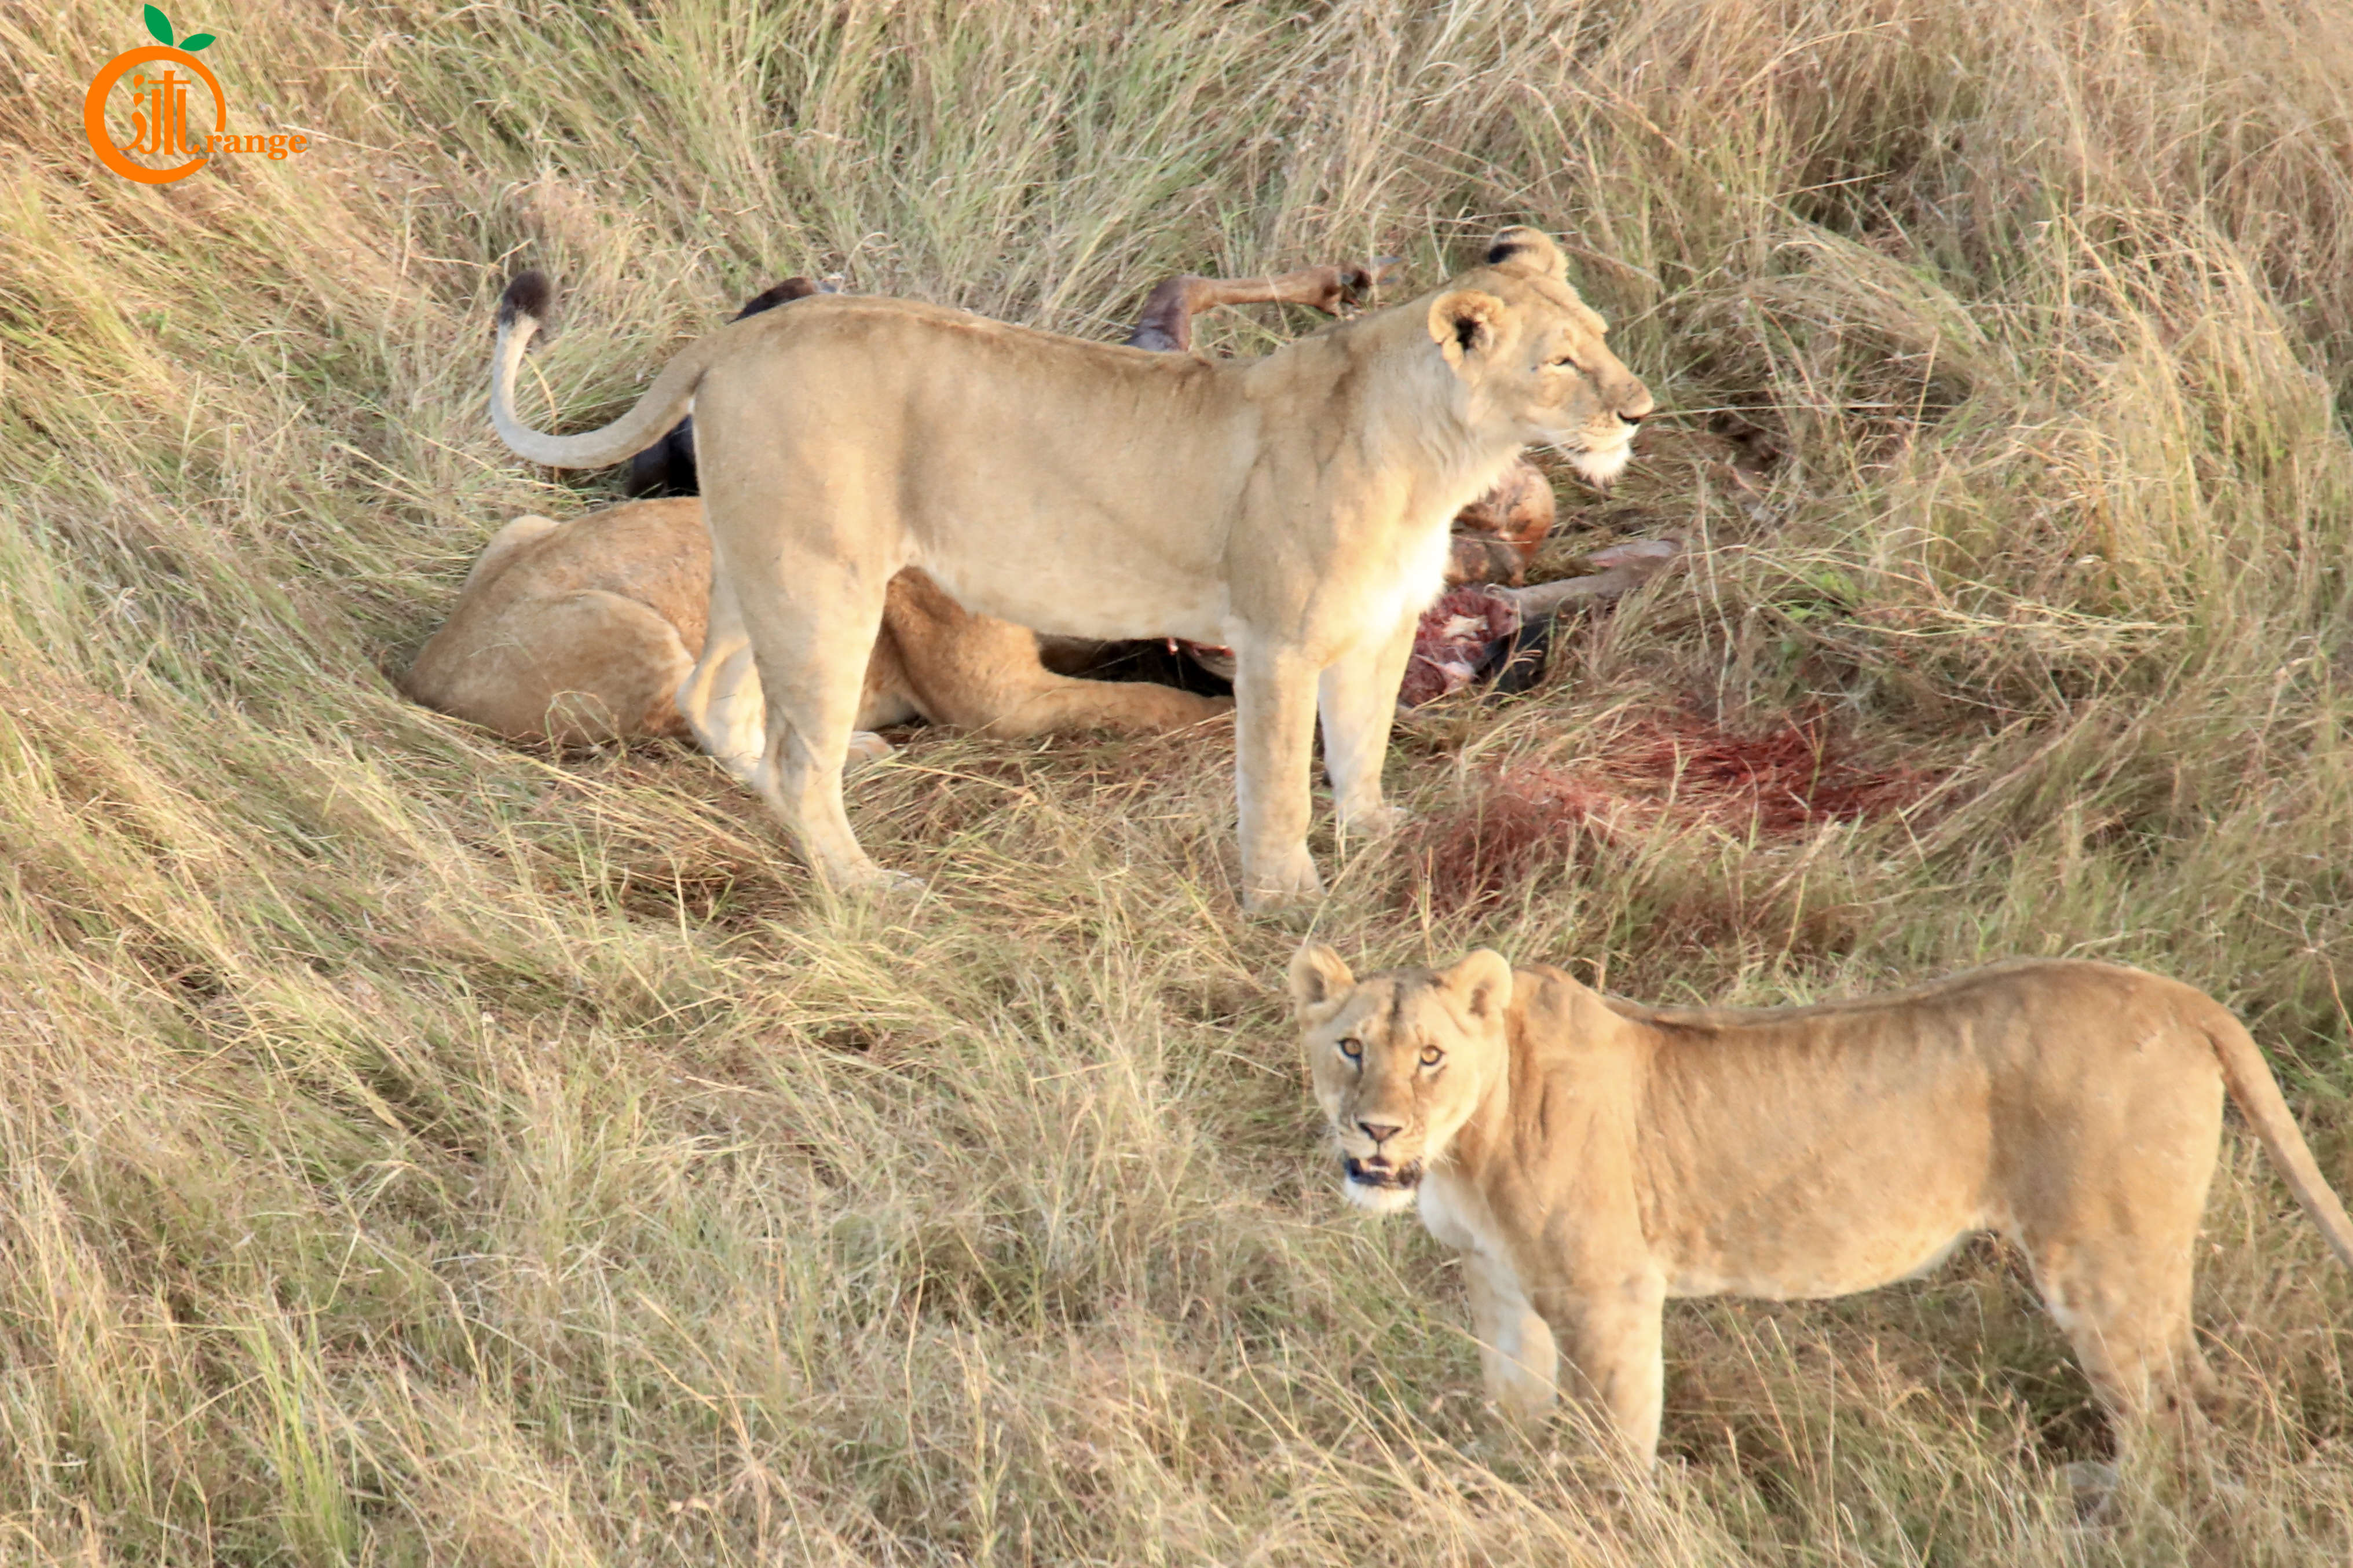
(1273, 736)
(1357, 694)
(1517, 1352)
(1611, 1336)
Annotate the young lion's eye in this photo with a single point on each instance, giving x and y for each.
(1432, 1056)
(1354, 1049)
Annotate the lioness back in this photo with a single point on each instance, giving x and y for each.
(1113, 465)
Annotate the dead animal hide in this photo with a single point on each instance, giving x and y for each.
(1457, 638)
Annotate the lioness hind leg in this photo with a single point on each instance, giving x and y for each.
(2124, 1303)
(812, 623)
(625, 662)
(721, 700)
(2110, 1228)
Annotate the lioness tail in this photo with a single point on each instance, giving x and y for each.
(521, 309)
(2257, 1094)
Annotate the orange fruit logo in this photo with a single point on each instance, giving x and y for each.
(161, 124)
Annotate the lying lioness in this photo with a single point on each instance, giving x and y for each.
(581, 632)
(1292, 508)
(1591, 1158)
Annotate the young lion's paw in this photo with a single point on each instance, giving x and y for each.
(866, 746)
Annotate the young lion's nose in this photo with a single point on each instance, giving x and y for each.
(1379, 1131)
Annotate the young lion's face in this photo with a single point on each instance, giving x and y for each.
(1398, 1061)
(1533, 355)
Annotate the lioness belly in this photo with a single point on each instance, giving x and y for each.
(1063, 593)
(1863, 1262)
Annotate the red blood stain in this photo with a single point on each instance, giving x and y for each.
(1652, 771)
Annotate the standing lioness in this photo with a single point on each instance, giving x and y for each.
(1591, 1158)
(1292, 508)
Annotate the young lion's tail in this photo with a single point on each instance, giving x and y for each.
(521, 309)
(2257, 1093)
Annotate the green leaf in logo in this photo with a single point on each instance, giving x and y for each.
(159, 26)
(195, 41)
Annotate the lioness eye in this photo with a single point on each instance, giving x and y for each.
(1432, 1056)
(1351, 1049)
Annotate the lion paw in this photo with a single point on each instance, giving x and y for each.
(743, 767)
(1290, 886)
(866, 746)
(873, 884)
(1375, 821)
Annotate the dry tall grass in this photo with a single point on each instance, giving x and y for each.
(422, 1152)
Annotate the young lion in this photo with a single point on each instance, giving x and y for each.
(1292, 508)
(1589, 1157)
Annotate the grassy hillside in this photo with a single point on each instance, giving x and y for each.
(421, 1150)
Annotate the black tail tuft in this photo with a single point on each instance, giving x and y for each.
(526, 298)
(778, 294)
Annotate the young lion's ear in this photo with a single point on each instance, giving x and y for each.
(1464, 322)
(1317, 975)
(1483, 982)
(1529, 251)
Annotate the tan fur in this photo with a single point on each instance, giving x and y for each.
(1591, 1158)
(1292, 508)
(581, 632)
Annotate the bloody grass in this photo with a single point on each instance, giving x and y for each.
(1654, 771)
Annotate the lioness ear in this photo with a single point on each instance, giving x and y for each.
(1317, 975)
(1529, 251)
(1464, 322)
(1483, 982)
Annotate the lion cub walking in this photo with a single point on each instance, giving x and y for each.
(1590, 1157)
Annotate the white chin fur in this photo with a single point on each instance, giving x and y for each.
(1601, 467)
(1379, 1200)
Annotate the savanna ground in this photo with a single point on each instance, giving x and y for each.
(422, 1151)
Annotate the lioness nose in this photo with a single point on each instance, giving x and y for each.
(1379, 1132)
(1638, 405)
